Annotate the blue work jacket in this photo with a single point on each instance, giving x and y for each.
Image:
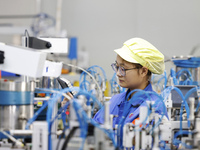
(117, 103)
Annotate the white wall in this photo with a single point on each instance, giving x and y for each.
(15, 7)
(103, 25)
(172, 26)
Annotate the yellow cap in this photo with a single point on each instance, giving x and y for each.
(140, 51)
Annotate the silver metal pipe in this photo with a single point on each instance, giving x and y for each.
(18, 143)
(107, 115)
(21, 132)
(192, 101)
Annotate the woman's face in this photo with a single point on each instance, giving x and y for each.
(134, 78)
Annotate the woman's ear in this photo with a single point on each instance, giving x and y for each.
(144, 71)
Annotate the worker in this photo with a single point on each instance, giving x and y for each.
(134, 65)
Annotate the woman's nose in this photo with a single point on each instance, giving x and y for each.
(118, 73)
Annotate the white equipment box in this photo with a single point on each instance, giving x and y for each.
(58, 45)
(23, 61)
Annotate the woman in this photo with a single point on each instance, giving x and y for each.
(135, 63)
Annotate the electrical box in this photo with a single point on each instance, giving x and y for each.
(40, 135)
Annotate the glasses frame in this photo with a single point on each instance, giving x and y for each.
(121, 69)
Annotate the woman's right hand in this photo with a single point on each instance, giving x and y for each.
(65, 100)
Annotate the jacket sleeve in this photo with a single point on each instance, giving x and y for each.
(99, 116)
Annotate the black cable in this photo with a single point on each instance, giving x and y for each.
(26, 42)
(67, 139)
(90, 133)
(62, 135)
(26, 33)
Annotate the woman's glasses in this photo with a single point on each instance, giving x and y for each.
(122, 70)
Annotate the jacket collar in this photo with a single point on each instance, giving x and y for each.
(136, 102)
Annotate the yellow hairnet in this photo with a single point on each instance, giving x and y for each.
(137, 50)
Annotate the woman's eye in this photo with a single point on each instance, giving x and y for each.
(122, 68)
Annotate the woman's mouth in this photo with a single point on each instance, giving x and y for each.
(121, 81)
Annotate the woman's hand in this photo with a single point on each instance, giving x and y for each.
(65, 100)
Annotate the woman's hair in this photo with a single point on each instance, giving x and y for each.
(140, 66)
